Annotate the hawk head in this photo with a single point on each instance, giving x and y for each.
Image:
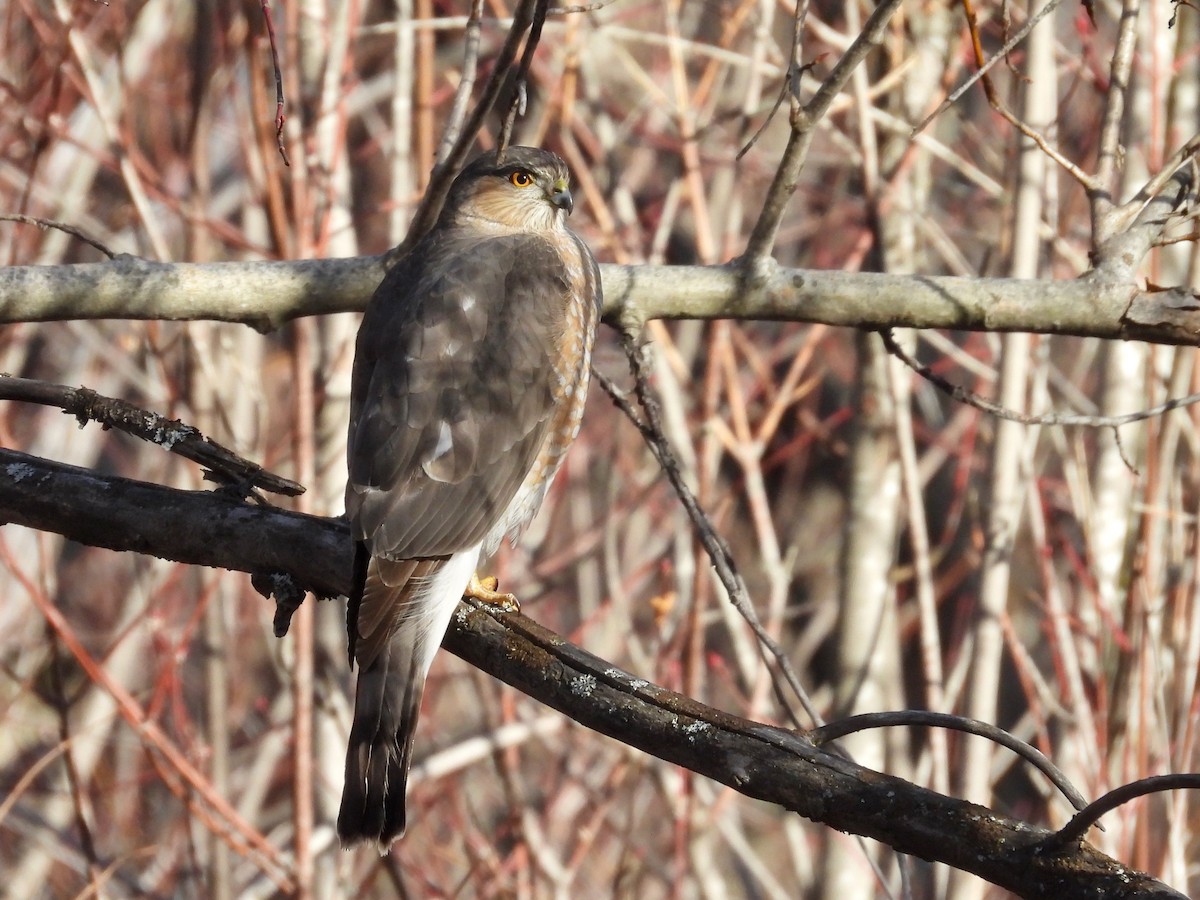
(525, 190)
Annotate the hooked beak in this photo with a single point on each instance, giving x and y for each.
(561, 197)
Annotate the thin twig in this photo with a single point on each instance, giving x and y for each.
(985, 67)
(789, 87)
(280, 118)
(466, 82)
(970, 398)
(520, 81)
(60, 226)
(804, 123)
(1088, 182)
(445, 169)
(62, 706)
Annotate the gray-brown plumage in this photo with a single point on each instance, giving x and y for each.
(470, 375)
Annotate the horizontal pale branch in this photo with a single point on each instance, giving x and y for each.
(265, 295)
(772, 764)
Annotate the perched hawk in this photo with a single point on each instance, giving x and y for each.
(470, 375)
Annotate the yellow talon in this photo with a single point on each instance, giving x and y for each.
(484, 590)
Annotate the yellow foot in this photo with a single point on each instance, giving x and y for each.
(484, 590)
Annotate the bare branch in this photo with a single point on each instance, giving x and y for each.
(266, 295)
(521, 80)
(466, 83)
(985, 67)
(280, 118)
(1109, 162)
(804, 123)
(446, 168)
(757, 760)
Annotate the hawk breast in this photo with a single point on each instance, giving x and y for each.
(469, 378)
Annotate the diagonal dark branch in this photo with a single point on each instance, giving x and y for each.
(446, 168)
(719, 554)
(804, 124)
(520, 83)
(757, 760)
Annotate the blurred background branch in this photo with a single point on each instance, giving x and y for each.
(903, 551)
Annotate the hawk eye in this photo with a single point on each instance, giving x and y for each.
(521, 178)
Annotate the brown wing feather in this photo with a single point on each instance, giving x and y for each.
(383, 604)
(452, 390)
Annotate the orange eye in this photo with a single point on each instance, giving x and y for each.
(521, 178)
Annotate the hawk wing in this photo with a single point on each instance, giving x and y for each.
(452, 390)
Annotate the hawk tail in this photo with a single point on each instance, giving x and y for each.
(412, 601)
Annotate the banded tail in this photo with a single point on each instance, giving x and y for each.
(406, 606)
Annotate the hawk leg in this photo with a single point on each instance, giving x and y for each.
(484, 590)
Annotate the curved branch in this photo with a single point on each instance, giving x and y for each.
(757, 760)
(1090, 814)
(908, 717)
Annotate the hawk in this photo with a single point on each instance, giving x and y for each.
(470, 375)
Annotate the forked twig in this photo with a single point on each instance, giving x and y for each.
(804, 123)
(447, 167)
(86, 405)
(985, 66)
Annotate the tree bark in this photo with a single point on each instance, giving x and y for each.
(761, 761)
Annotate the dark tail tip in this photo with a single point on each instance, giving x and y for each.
(372, 809)
(379, 754)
